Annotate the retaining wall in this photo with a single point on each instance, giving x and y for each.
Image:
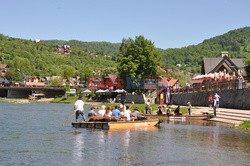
(138, 99)
(236, 99)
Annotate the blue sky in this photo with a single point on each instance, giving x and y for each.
(168, 23)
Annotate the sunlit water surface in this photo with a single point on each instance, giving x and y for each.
(32, 134)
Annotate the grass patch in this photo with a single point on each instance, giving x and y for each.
(141, 107)
(69, 99)
(245, 125)
(183, 110)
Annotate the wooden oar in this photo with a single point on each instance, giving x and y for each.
(69, 117)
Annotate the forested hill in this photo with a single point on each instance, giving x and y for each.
(42, 59)
(236, 42)
(98, 47)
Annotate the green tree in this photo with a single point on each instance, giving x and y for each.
(14, 75)
(55, 82)
(137, 58)
(68, 72)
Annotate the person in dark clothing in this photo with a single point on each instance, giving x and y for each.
(177, 111)
(159, 112)
(169, 110)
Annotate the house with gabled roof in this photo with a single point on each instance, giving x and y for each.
(232, 66)
(34, 81)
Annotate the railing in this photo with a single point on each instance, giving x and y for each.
(211, 86)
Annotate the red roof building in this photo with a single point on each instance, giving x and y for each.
(3, 69)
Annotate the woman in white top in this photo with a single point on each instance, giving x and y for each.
(102, 111)
(127, 113)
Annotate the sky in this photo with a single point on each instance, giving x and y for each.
(167, 23)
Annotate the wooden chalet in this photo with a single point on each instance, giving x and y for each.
(220, 73)
(232, 66)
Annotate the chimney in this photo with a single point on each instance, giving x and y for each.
(224, 53)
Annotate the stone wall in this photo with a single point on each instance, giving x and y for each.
(237, 98)
(24, 93)
(18, 93)
(3, 92)
(129, 98)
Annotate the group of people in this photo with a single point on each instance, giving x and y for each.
(123, 111)
(119, 112)
(168, 111)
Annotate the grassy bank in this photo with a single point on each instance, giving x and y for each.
(14, 100)
(141, 107)
(69, 99)
(245, 125)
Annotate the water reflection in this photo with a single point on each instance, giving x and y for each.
(77, 151)
(173, 143)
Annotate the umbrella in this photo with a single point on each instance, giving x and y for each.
(107, 91)
(100, 91)
(87, 91)
(120, 91)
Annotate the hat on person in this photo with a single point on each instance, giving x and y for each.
(188, 102)
(103, 107)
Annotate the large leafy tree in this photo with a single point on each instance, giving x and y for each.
(68, 72)
(138, 58)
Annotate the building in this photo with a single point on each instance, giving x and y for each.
(220, 73)
(34, 81)
(232, 66)
(4, 69)
(110, 81)
(63, 49)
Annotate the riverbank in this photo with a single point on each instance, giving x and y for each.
(25, 101)
(15, 100)
(245, 125)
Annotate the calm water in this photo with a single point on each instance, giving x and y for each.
(32, 134)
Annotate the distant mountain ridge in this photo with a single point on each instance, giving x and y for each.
(42, 59)
(236, 42)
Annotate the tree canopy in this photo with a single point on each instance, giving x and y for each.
(137, 58)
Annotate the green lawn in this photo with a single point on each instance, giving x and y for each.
(245, 125)
(69, 99)
(141, 107)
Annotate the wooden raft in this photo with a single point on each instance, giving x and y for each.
(116, 125)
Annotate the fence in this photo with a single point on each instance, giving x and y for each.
(207, 85)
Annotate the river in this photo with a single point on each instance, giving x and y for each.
(32, 134)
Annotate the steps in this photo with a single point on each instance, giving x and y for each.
(225, 121)
(232, 116)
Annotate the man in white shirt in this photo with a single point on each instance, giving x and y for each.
(216, 102)
(147, 107)
(78, 108)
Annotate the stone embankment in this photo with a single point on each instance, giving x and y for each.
(225, 115)
(235, 99)
(233, 116)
